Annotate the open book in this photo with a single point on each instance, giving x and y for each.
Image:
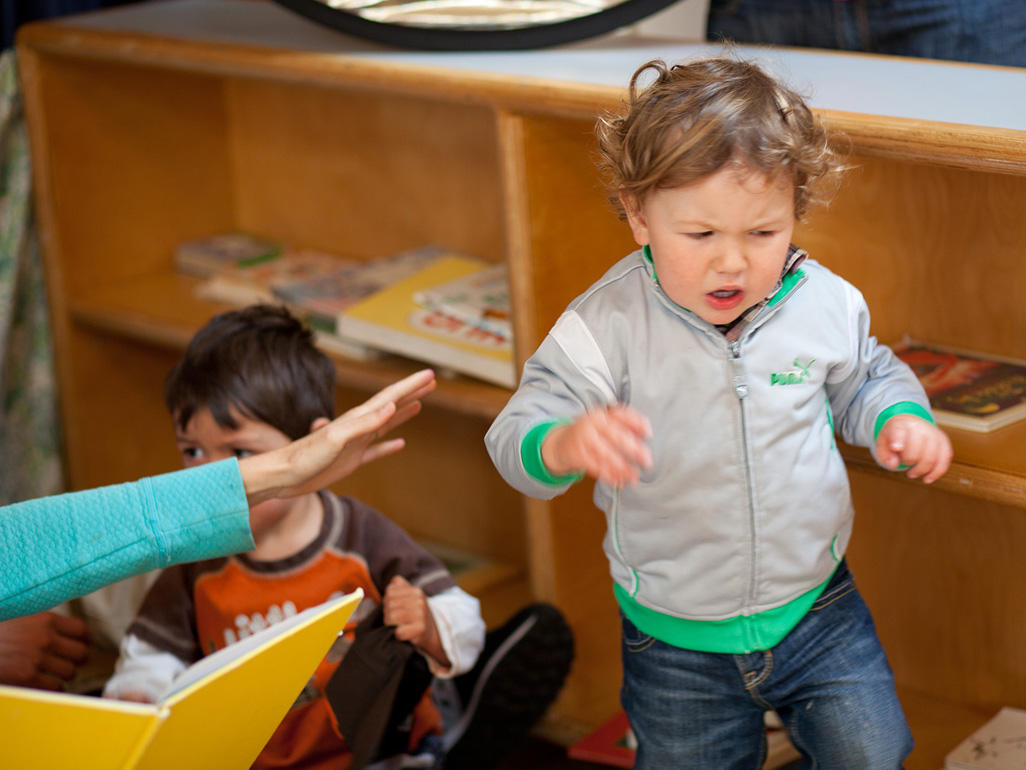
(219, 714)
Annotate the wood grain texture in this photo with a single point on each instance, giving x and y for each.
(941, 574)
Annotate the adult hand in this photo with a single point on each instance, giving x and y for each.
(333, 452)
(42, 650)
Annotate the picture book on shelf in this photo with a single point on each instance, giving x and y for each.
(481, 298)
(219, 713)
(998, 745)
(205, 256)
(968, 390)
(393, 320)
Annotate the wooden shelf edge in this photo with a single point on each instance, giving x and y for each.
(964, 479)
(462, 395)
(976, 148)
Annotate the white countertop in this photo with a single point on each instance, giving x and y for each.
(877, 85)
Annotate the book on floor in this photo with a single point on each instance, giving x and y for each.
(611, 743)
(393, 320)
(219, 713)
(969, 390)
(1000, 744)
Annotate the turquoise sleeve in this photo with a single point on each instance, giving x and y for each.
(56, 548)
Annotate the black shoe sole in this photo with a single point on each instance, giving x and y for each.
(519, 674)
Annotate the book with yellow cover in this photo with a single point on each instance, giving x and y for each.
(220, 712)
(393, 320)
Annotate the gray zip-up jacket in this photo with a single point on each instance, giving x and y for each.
(746, 506)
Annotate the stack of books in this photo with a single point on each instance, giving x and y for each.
(431, 304)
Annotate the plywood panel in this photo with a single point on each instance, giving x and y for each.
(123, 430)
(937, 251)
(364, 173)
(570, 570)
(137, 159)
(575, 234)
(943, 576)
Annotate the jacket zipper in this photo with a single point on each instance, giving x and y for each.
(741, 391)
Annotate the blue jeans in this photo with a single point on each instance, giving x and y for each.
(829, 681)
(986, 31)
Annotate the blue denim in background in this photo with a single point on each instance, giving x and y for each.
(984, 31)
(829, 681)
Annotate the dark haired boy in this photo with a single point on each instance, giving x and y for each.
(252, 380)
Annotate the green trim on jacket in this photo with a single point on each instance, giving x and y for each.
(530, 455)
(736, 636)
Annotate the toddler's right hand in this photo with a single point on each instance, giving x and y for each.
(608, 444)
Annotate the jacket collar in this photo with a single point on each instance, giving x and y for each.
(790, 277)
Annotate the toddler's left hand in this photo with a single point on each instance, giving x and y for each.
(406, 608)
(912, 441)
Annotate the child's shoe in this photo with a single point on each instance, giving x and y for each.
(521, 670)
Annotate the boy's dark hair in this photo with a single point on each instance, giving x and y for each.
(262, 361)
(690, 120)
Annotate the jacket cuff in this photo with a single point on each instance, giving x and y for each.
(902, 407)
(530, 455)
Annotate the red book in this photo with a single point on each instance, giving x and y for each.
(611, 744)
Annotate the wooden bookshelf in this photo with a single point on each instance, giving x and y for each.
(156, 122)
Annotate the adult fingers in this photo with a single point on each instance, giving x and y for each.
(403, 391)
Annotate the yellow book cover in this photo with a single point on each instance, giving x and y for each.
(219, 714)
(394, 321)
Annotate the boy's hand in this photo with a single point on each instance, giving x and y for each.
(406, 608)
(607, 444)
(912, 441)
(42, 650)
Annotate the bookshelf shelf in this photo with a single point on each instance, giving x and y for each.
(988, 466)
(155, 122)
(162, 309)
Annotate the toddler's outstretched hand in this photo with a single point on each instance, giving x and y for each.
(912, 441)
(407, 609)
(608, 444)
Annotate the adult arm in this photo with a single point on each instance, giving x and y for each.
(59, 547)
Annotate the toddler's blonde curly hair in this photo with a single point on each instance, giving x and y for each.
(690, 120)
